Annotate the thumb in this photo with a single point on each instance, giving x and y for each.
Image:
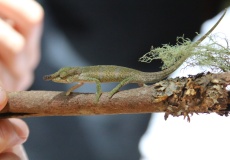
(3, 97)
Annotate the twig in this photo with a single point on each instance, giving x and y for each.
(203, 93)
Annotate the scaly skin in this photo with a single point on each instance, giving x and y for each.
(110, 73)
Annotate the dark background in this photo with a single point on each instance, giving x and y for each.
(108, 32)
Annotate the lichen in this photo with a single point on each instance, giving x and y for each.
(212, 53)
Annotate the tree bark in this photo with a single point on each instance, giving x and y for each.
(203, 93)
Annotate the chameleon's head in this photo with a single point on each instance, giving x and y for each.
(64, 75)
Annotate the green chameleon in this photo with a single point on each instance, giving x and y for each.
(111, 73)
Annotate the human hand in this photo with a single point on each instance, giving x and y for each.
(20, 31)
(13, 132)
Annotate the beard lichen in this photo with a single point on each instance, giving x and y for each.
(212, 54)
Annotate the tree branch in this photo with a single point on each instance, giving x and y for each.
(203, 93)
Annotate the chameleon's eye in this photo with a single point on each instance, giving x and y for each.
(63, 74)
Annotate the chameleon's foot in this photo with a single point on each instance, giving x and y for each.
(142, 85)
(145, 85)
(122, 83)
(73, 88)
(111, 94)
(67, 93)
(98, 95)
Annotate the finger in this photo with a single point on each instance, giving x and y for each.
(26, 17)
(8, 81)
(16, 63)
(11, 43)
(20, 151)
(33, 50)
(3, 97)
(20, 128)
(17, 152)
(12, 132)
(25, 13)
(10, 40)
(24, 81)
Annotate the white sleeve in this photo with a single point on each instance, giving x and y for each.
(205, 137)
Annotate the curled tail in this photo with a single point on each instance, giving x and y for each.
(177, 64)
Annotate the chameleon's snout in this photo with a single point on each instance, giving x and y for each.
(55, 78)
(47, 77)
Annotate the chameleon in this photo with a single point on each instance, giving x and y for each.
(112, 73)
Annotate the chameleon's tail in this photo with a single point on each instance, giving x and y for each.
(171, 69)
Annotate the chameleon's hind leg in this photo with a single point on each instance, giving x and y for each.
(121, 84)
(74, 87)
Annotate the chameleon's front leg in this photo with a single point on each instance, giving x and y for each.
(121, 84)
(74, 87)
(98, 84)
(99, 92)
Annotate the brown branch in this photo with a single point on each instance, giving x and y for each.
(203, 93)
